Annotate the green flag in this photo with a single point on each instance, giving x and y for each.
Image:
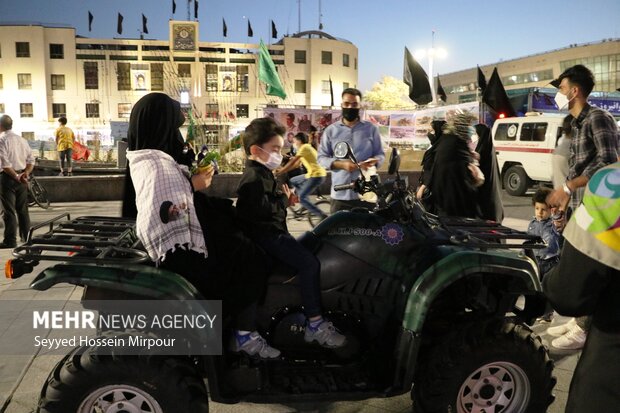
(267, 73)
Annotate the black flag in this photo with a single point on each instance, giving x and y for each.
(331, 92)
(119, 24)
(174, 6)
(195, 9)
(144, 28)
(417, 80)
(495, 96)
(250, 31)
(482, 81)
(274, 32)
(90, 21)
(440, 92)
(224, 28)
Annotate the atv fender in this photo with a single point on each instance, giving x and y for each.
(141, 280)
(521, 270)
(523, 275)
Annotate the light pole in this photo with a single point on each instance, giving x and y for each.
(431, 54)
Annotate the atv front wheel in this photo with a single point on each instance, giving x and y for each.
(86, 382)
(485, 370)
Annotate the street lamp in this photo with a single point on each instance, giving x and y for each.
(431, 54)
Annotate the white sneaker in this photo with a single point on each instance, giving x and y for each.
(573, 340)
(562, 329)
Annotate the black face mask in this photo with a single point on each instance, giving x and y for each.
(350, 114)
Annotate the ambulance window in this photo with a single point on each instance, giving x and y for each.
(506, 132)
(533, 132)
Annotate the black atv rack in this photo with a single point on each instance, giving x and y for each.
(483, 234)
(87, 239)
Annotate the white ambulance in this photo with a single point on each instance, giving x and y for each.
(524, 148)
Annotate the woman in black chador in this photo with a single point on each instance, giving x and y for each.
(490, 193)
(452, 185)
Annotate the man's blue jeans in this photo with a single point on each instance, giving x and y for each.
(305, 186)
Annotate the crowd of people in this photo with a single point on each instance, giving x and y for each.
(194, 234)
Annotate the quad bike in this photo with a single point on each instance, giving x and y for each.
(438, 308)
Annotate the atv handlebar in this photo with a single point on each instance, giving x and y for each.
(344, 187)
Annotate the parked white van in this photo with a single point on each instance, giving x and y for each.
(524, 146)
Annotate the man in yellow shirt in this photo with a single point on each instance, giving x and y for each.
(305, 184)
(64, 145)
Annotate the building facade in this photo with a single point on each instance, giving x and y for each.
(603, 58)
(48, 72)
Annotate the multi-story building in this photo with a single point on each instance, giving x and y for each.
(48, 72)
(537, 70)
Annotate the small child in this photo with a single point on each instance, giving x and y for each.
(261, 206)
(542, 225)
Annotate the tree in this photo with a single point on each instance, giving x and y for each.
(388, 94)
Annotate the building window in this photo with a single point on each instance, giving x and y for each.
(355, 63)
(211, 75)
(1, 82)
(157, 76)
(242, 79)
(1, 107)
(58, 82)
(123, 76)
(91, 75)
(212, 111)
(29, 136)
(345, 85)
(325, 87)
(300, 56)
(57, 51)
(124, 110)
(345, 60)
(528, 77)
(606, 70)
(22, 49)
(243, 111)
(300, 86)
(185, 70)
(25, 110)
(24, 81)
(92, 110)
(326, 57)
(59, 110)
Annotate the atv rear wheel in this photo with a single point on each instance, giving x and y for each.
(86, 382)
(485, 370)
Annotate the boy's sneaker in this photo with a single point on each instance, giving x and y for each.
(573, 340)
(325, 334)
(254, 344)
(562, 329)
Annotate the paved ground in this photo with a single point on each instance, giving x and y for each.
(21, 377)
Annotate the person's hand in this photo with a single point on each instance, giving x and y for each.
(345, 164)
(558, 219)
(290, 195)
(23, 178)
(368, 163)
(420, 192)
(558, 199)
(202, 180)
